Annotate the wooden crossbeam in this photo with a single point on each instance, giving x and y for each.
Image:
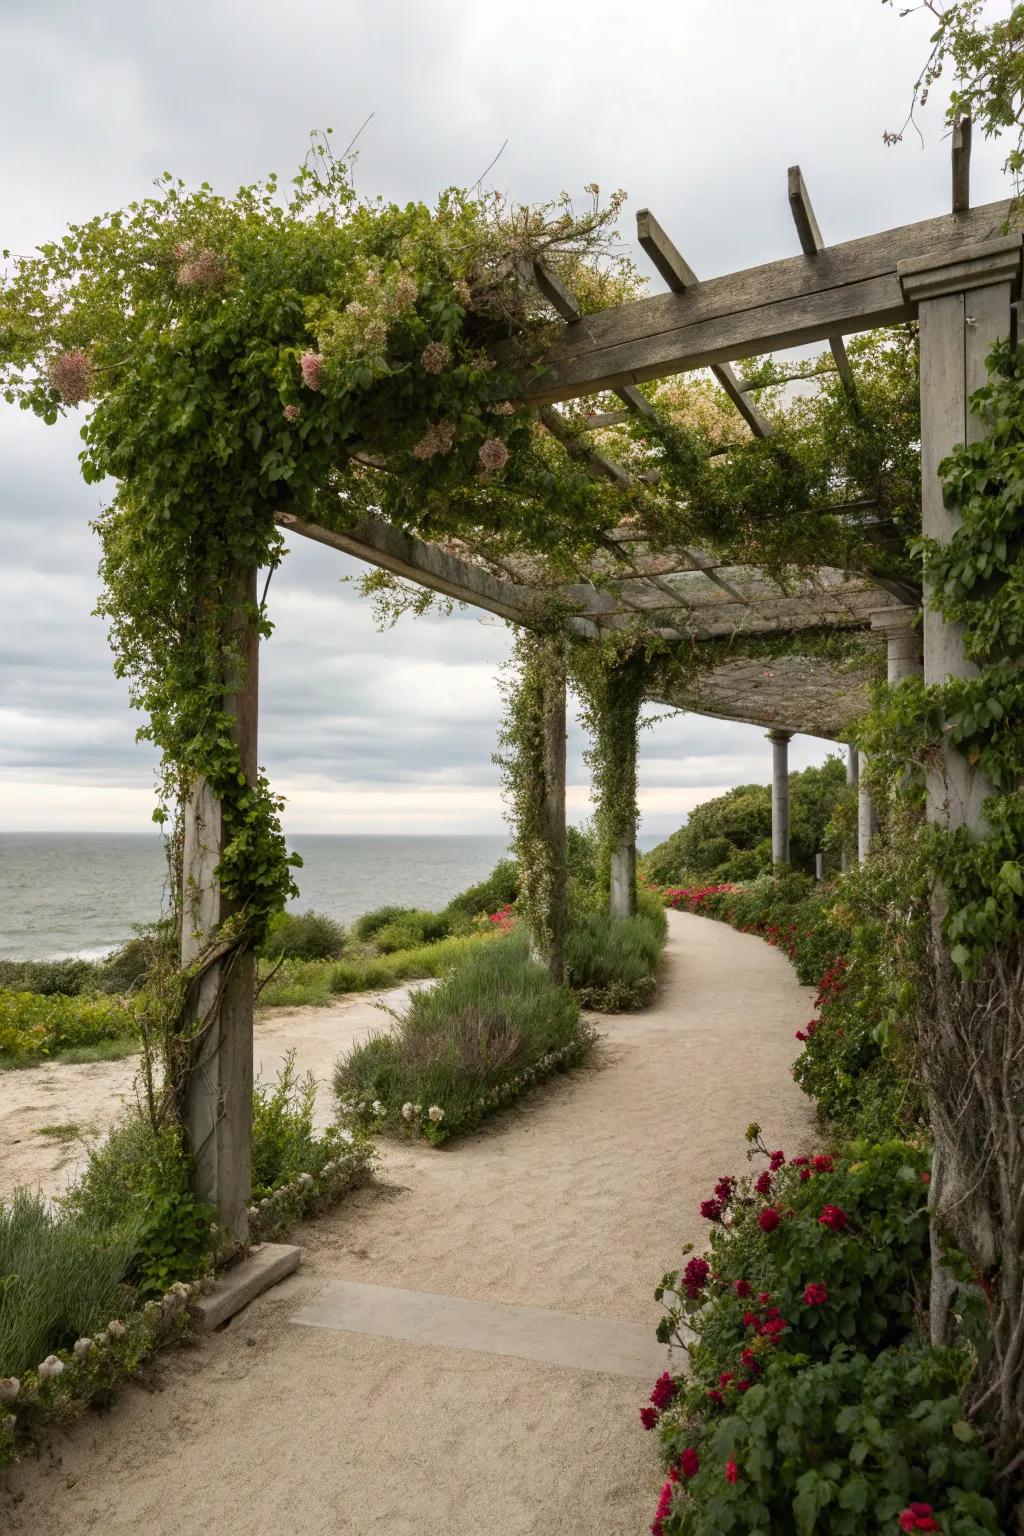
(849, 287)
(565, 302)
(680, 276)
(962, 165)
(812, 244)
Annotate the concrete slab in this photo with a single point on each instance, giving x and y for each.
(453, 1322)
(266, 1265)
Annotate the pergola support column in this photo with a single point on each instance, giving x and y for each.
(217, 1098)
(548, 943)
(964, 309)
(780, 795)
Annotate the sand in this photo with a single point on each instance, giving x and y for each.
(577, 1201)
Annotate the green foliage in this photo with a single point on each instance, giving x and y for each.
(128, 967)
(533, 684)
(68, 976)
(300, 983)
(612, 963)
(610, 679)
(61, 1277)
(845, 1446)
(139, 1177)
(34, 1026)
(976, 581)
(729, 837)
(284, 1143)
(488, 1031)
(499, 890)
(412, 930)
(303, 936)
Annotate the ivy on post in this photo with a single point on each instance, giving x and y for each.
(613, 685)
(532, 760)
(217, 1083)
(965, 725)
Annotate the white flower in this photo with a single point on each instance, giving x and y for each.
(82, 1348)
(435, 1113)
(116, 1328)
(152, 1309)
(50, 1367)
(101, 1341)
(377, 1107)
(10, 1386)
(407, 1112)
(305, 1178)
(254, 1211)
(346, 1136)
(417, 1109)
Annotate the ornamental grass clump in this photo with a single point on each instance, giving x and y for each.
(612, 962)
(485, 1034)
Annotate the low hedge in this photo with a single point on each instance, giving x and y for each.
(492, 1028)
(612, 963)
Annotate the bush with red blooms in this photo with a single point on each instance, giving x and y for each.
(851, 1446)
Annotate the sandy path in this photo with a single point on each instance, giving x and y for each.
(36, 1102)
(578, 1201)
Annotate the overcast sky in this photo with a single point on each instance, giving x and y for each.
(696, 107)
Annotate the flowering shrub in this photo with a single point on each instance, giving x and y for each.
(814, 1269)
(490, 1030)
(848, 1445)
(612, 963)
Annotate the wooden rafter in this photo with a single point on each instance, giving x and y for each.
(680, 276)
(812, 244)
(962, 165)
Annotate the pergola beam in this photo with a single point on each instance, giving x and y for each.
(847, 287)
(680, 276)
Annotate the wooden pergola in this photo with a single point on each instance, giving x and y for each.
(957, 276)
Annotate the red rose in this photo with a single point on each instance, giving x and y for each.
(823, 1164)
(648, 1417)
(768, 1219)
(725, 1378)
(711, 1210)
(815, 1295)
(732, 1472)
(763, 1184)
(805, 1174)
(695, 1277)
(834, 1217)
(716, 1396)
(798, 1162)
(742, 1289)
(749, 1319)
(773, 1328)
(664, 1391)
(776, 1160)
(764, 1296)
(689, 1462)
(918, 1517)
(749, 1359)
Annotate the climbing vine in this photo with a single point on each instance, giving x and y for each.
(611, 680)
(533, 690)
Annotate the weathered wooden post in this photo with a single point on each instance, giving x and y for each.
(217, 1107)
(780, 795)
(963, 305)
(622, 885)
(553, 801)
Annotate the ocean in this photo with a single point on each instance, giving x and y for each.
(69, 893)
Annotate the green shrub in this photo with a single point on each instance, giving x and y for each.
(67, 977)
(140, 1177)
(304, 936)
(60, 1279)
(490, 1029)
(499, 890)
(127, 968)
(612, 962)
(284, 1143)
(844, 1446)
(412, 930)
(369, 925)
(34, 1025)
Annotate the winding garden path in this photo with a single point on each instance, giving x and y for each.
(576, 1202)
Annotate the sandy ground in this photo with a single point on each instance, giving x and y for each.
(577, 1201)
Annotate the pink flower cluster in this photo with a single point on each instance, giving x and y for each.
(501, 919)
(70, 374)
(204, 270)
(493, 454)
(438, 438)
(311, 365)
(435, 357)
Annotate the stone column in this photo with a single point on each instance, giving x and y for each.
(853, 779)
(217, 1097)
(963, 306)
(902, 630)
(867, 823)
(622, 893)
(780, 795)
